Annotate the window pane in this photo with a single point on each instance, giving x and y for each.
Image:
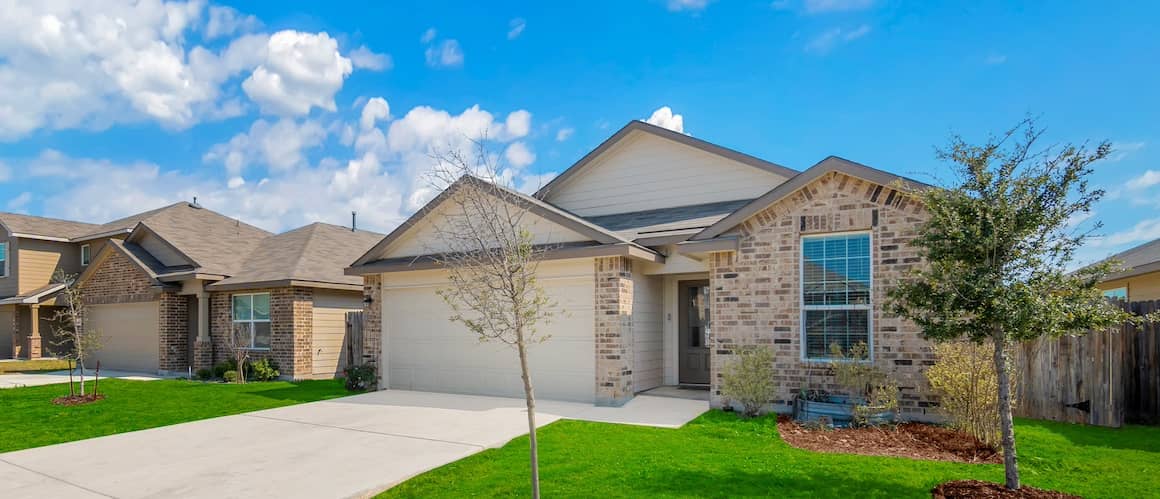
(242, 307)
(261, 335)
(3, 251)
(836, 247)
(262, 307)
(844, 328)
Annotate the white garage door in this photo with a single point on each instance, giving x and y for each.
(129, 339)
(423, 350)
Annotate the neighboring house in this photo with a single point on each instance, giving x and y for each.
(168, 288)
(1139, 276)
(667, 254)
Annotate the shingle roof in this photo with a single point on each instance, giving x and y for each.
(667, 221)
(315, 253)
(45, 227)
(216, 243)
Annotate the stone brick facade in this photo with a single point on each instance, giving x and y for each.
(756, 290)
(291, 328)
(173, 332)
(614, 342)
(373, 321)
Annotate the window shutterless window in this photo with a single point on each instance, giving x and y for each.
(86, 253)
(1120, 293)
(3, 259)
(252, 317)
(835, 293)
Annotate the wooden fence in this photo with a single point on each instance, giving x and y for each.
(354, 338)
(1105, 378)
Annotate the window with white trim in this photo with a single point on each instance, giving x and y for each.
(3, 259)
(252, 316)
(835, 287)
(1120, 293)
(86, 254)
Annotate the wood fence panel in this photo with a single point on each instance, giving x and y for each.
(354, 338)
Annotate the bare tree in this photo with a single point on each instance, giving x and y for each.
(491, 259)
(68, 325)
(238, 343)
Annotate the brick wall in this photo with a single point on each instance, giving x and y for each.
(291, 328)
(373, 321)
(173, 332)
(614, 346)
(757, 289)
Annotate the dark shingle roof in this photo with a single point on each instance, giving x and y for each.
(316, 253)
(217, 243)
(663, 221)
(1132, 259)
(45, 227)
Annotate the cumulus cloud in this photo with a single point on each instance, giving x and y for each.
(518, 155)
(445, 54)
(516, 28)
(830, 39)
(428, 36)
(1145, 230)
(375, 109)
(687, 5)
(365, 58)
(564, 134)
(279, 145)
(665, 118)
(226, 21)
(300, 71)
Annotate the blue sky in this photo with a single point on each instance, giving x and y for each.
(284, 113)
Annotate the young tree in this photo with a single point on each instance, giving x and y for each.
(68, 325)
(238, 343)
(997, 249)
(491, 260)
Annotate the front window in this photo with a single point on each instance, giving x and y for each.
(3, 259)
(252, 319)
(835, 293)
(86, 253)
(1120, 294)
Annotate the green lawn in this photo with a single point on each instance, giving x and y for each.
(28, 418)
(720, 455)
(22, 366)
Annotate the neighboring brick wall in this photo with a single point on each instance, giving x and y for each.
(756, 290)
(291, 328)
(373, 322)
(173, 332)
(614, 346)
(117, 280)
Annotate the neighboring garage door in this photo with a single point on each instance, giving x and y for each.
(129, 340)
(6, 316)
(329, 331)
(423, 350)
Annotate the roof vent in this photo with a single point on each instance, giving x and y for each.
(194, 203)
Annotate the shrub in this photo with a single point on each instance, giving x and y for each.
(964, 378)
(220, 369)
(230, 376)
(872, 388)
(262, 370)
(205, 374)
(360, 378)
(749, 379)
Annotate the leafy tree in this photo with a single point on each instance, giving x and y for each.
(997, 248)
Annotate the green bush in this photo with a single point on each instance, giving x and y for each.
(872, 388)
(230, 376)
(360, 378)
(749, 379)
(262, 370)
(220, 369)
(205, 374)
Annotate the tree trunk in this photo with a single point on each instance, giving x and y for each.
(530, 398)
(1006, 423)
(81, 368)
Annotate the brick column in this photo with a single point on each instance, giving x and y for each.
(203, 344)
(303, 317)
(373, 323)
(34, 350)
(614, 352)
(173, 332)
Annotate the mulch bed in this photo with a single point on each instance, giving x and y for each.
(978, 489)
(78, 399)
(913, 440)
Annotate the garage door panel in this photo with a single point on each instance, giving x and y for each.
(129, 337)
(426, 351)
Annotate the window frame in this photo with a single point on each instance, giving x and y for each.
(86, 255)
(7, 259)
(1105, 292)
(252, 321)
(803, 308)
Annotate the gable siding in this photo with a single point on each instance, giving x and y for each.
(40, 259)
(161, 251)
(647, 172)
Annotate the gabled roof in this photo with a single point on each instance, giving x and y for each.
(43, 228)
(38, 295)
(1142, 259)
(314, 255)
(214, 243)
(640, 126)
(533, 205)
(826, 166)
(135, 254)
(650, 225)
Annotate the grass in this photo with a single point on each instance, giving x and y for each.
(723, 456)
(28, 418)
(25, 366)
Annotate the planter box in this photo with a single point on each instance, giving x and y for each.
(835, 410)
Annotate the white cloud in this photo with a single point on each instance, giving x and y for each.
(690, 5)
(518, 155)
(1145, 230)
(446, 54)
(832, 38)
(518, 124)
(235, 182)
(1145, 180)
(827, 6)
(428, 35)
(20, 201)
(375, 109)
(664, 117)
(1121, 150)
(516, 28)
(365, 58)
(279, 146)
(226, 21)
(564, 134)
(300, 71)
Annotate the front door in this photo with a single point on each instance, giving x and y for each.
(694, 332)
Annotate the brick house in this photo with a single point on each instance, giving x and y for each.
(667, 253)
(166, 288)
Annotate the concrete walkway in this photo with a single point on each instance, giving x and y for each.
(353, 446)
(18, 380)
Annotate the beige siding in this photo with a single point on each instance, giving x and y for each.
(1140, 288)
(6, 318)
(10, 285)
(647, 339)
(424, 239)
(163, 252)
(329, 331)
(129, 335)
(423, 350)
(40, 259)
(646, 172)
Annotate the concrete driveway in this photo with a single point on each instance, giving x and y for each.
(352, 446)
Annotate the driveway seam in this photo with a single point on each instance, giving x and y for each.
(400, 435)
(61, 480)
